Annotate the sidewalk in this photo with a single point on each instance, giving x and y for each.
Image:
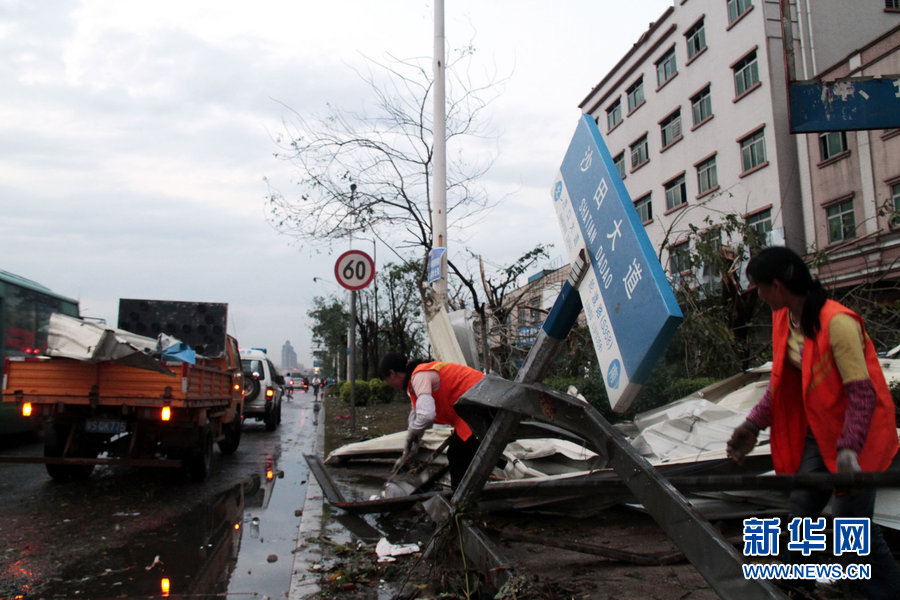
(304, 582)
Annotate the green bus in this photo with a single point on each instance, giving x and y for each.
(25, 308)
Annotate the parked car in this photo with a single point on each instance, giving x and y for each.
(262, 388)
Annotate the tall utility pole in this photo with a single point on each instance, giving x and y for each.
(439, 187)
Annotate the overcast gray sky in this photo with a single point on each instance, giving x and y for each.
(135, 136)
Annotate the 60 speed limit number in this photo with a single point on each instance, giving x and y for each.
(354, 269)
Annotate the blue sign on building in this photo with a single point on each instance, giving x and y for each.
(845, 105)
(628, 302)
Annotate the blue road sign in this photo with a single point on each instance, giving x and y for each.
(845, 105)
(435, 261)
(629, 305)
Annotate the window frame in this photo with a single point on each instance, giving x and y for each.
(645, 200)
(697, 100)
(672, 123)
(761, 222)
(745, 69)
(666, 67)
(734, 9)
(705, 167)
(619, 162)
(749, 144)
(678, 182)
(895, 196)
(613, 110)
(695, 33)
(843, 207)
(825, 152)
(680, 258)
(641, 143)
(630, 92)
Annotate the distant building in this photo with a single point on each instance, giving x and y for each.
(852, 184)
(695, 117)
(288, 356)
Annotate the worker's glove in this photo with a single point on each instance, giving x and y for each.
(742, 441)
(413, 438)
(847, 461)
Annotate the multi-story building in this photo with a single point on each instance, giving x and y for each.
(851, 183)
(695, 116)
(288, 356)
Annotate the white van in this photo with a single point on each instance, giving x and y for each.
(262, 388)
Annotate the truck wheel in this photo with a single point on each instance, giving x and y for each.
(232, 432)
(200, 461)
(55, 436)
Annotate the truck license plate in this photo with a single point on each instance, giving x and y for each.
(105, 426)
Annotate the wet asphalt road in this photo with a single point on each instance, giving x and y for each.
(119, 534)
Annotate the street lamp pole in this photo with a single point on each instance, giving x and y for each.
(351, 362)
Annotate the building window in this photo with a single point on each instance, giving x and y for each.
(707, 176)
(701, 105)
(679, 258)
(670, 127)
(696, 39)
(895, 196)
(676, 193)
(666, 68)
(892, 4)
(753, 150)
(761, 224)
(639, 153)
(619, 160)
(746, 74)
(737, 8)
(832, 143)
(841, 222)
(644, 208)
(614, 114)
(635, 94)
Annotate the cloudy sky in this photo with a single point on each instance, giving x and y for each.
(135, 137)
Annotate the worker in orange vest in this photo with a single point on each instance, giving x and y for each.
(433, 387)
(827, 405)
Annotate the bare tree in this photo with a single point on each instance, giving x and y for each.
(370, 172)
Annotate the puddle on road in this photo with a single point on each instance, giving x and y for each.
(192, 555)
(238, 545)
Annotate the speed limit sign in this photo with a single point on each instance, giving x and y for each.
(354, 269)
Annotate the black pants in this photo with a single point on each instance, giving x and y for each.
(809, 502)
(460, 454)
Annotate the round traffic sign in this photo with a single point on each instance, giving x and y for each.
(354, 269)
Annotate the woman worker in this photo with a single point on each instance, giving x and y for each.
(433, 388)
(827, 403)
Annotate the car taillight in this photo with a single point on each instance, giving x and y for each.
(270, 392)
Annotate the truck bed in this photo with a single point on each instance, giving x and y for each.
(54, 380)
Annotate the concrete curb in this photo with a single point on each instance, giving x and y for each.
(304, 582)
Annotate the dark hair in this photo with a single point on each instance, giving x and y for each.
(395, 361)
(392, 361)
(785, 265)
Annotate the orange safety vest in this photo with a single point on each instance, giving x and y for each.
(815, 399)
(455, 381)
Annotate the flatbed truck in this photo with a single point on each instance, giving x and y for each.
(106, 412)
